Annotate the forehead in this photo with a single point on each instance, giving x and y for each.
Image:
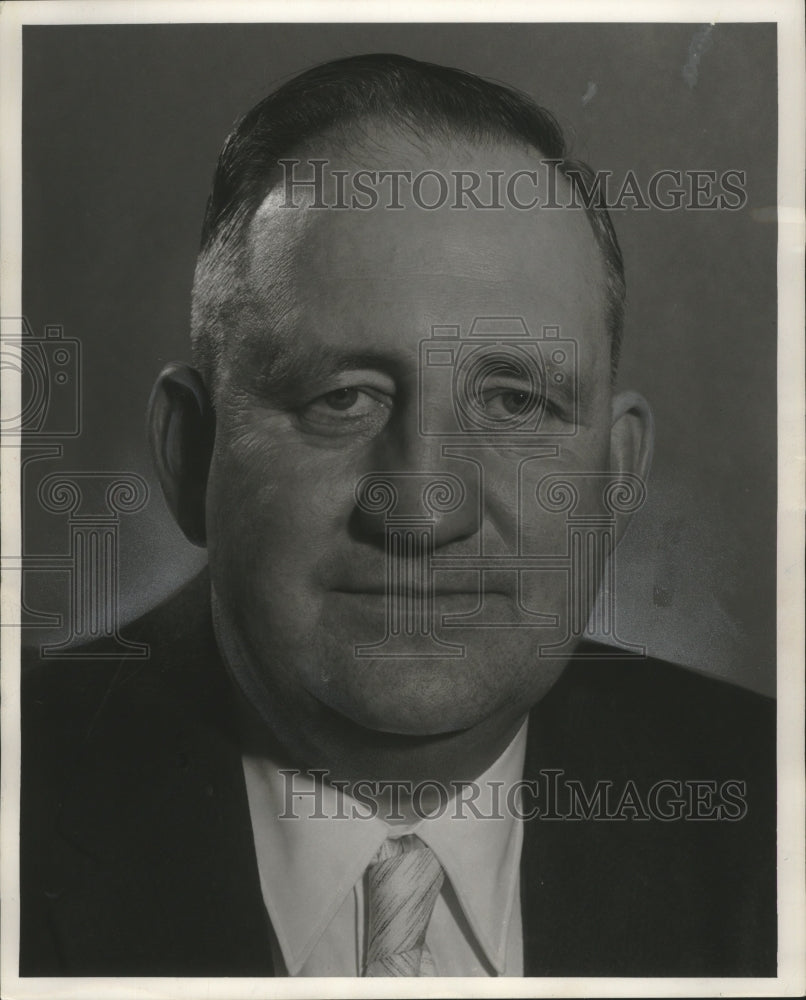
(383, 277)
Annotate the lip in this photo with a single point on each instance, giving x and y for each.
(419, 592)
(408, 580)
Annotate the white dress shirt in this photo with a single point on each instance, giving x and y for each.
(312, 872)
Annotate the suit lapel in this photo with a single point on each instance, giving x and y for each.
(560, 873)
(165, 854)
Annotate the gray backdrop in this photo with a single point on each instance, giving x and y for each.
(121, 128)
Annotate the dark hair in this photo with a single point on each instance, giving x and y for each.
(416, 96)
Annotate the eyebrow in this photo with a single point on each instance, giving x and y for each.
(287, 365)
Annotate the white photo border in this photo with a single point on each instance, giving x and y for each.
(788, 14)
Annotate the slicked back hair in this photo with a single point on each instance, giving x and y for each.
(420, 98)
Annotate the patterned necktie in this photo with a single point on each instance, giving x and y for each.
(404, 882)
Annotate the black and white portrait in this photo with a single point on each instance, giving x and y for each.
(398, 576)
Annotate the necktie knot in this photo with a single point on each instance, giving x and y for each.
(404, 880)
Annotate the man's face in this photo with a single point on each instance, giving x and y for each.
(324, 383)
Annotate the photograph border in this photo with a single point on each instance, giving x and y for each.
(791, 979)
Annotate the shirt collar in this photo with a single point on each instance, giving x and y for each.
(480, 850)
(308, 862)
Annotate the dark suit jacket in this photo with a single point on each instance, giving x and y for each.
(136, 845)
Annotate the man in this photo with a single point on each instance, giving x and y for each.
(399, 444)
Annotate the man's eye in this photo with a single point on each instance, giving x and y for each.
(341, 399)
(510, 402)
(347, 410)
(517, 402)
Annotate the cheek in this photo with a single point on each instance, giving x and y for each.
(269, 499)
(516, 482)
(241, 492)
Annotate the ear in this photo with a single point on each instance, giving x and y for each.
(632, 438)
(181, 426)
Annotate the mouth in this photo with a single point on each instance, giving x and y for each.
(407, 582)
(421, 593)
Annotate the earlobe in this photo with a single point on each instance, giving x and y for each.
(181, 424)
(632, 438)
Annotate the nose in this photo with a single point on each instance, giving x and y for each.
(429, 490)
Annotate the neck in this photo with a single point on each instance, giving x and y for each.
(355, 758)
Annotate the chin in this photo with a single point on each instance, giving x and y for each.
(414, 720)
(417, 696)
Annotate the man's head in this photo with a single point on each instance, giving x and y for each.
(310, 329)
(339, 105)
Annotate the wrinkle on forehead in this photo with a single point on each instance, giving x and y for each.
(301, 246)
(418, 239)
(301, 259)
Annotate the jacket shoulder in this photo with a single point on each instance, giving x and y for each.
(669, 712)
(659, 849)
